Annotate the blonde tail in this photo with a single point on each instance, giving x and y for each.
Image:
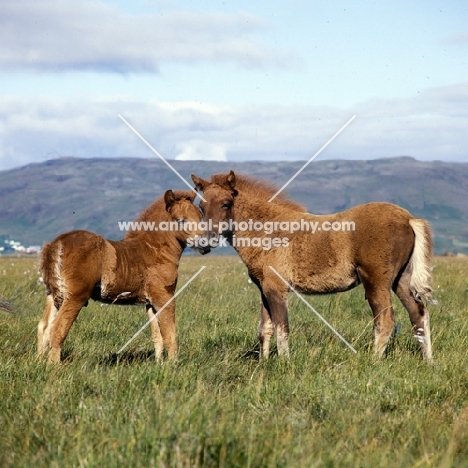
(50, 266)
(420, 262)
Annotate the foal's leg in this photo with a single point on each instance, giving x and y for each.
(418, 314)
(265, 329)
(276, 300)
(384, 319)
(167, 325)
(43, 329)
(168, 329)
(156, 336)
(61, 325)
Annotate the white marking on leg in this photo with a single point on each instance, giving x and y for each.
(46, 335)
(156, 336)
(427, 348)
(379, 344)
(282, 341)
(265, 332)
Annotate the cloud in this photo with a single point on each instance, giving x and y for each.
(52, 36)
(429, 126)
(198, 150)
(461, 38)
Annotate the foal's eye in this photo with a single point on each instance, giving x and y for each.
(226, 206)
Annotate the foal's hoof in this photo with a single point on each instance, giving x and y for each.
(54, 357)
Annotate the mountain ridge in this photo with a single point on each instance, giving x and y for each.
(41, 200)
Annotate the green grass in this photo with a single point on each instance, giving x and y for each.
(217, 405)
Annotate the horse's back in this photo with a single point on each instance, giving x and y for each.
(378, 213)
(70, 259)
(74, 247)
(374, 237)
(379, 223)
(383, 238)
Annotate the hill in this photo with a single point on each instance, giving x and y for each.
(40, 201)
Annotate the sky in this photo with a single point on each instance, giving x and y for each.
(233, 81)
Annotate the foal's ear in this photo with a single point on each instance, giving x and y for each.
(169, 199)
(200, 183)
(191, 196)
(231, 179)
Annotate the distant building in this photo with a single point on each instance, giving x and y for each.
(12, 246)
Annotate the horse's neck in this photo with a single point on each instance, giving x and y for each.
(247, 208)
(161, 243)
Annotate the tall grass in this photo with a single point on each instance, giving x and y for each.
(217, 405)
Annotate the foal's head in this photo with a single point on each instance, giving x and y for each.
(218, 208)
(179, 205)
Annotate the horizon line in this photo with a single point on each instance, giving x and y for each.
(244, 161)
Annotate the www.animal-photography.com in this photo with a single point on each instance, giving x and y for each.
(233, 234)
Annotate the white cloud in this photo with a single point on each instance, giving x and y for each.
(460, 39)
(199, 150)
(89, 35)
(429, 126)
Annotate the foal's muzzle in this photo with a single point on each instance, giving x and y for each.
(204, 250)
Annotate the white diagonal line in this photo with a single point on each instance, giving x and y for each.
(312, 158)
(159, 155)
(313, 310)
(161, 309)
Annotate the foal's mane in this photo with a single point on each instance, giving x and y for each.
(264, 190)
(156, 211)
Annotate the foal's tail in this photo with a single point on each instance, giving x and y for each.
(420, 262)
(50, 264)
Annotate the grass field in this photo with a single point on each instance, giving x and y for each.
(217, 406)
